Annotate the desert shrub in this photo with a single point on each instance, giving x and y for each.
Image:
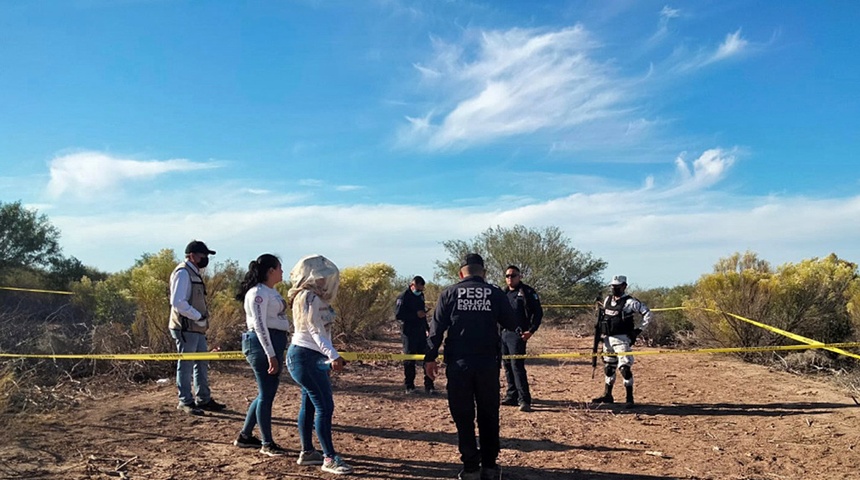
(812, 298)
(226, 321)
(106, 301)
(741, 285)
(365, 301)
(807, 361)
(666, 326)
(815, 298)
(226, 314)
(150, 289)
(9, 392)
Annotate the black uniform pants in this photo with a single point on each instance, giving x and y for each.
(414, 344)
(474, 388)
(515, 370)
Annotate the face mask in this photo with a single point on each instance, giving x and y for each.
(202, 262)
(417, 292)
(617, 290)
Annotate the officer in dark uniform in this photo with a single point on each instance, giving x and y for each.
(471, 311)
(410, 311)
(526, 304)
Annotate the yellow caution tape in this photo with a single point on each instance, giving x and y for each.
(793, 336)
(138, 356)
(36, 290)
(687, 352)
(379, 356)
(578, 305)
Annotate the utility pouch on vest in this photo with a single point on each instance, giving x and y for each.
(603, 326)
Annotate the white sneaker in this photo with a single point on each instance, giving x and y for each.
(311, 457)
(336, 465)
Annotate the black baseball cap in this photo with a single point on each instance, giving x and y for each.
(472, 259)
(197, 246)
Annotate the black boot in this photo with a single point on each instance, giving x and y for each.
(629, 403)
(607, 395)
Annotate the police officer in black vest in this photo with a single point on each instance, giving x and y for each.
(619, 329)
(411, 312)
(471, 311)
(526, 304)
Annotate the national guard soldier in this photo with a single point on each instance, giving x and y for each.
(526, 303)
(411, 312)
(471, 311)
(619, 330)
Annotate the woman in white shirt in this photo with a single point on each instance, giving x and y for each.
(263, 344)
(312, 355)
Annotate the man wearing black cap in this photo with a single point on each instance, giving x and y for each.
(471, 312)
(189, 320)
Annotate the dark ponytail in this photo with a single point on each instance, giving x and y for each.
(258, 272)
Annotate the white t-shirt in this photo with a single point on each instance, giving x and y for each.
(265, 309)
(313, 319)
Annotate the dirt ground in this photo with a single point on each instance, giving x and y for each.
(699, 417)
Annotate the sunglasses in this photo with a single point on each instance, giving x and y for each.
(512, 275)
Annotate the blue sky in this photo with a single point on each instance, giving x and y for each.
(659, 136)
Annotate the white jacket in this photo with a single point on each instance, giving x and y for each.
(313, 319)
(265, 309)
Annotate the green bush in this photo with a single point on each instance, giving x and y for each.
(365, 301)
(815, 298)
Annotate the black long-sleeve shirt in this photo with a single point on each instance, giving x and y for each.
(526, 302)
(406, 311)
(471, 312)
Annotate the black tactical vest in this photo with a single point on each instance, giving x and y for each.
(615, 320)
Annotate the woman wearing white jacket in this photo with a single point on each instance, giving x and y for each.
(315, 280)
(263, 344)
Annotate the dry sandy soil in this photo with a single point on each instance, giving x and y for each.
(699, 417)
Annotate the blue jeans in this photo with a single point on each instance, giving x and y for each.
(191, 342)
(317, 405)
(260, 410)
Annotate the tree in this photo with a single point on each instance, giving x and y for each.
(558, 271)
(26, 238)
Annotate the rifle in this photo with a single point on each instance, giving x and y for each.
(600, 314)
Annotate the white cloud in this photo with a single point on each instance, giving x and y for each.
(504, 83)
(733, 46)
(666, 13)
(86, 174)
(657, 233)
(427, 72)
(317, 183)
(348, 188)
(311, 182)
(707, 170)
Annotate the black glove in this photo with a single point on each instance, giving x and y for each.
(635, 335)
